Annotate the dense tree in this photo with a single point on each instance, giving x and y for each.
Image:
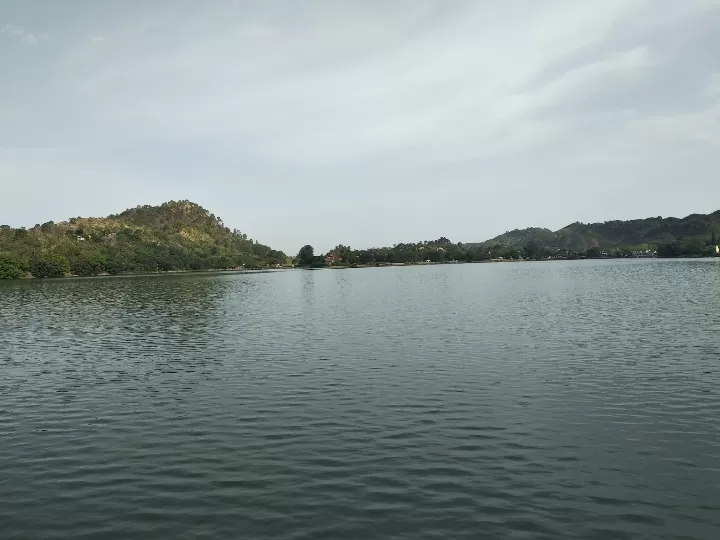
(365, 257)
(532, 250)
(344, 255)
(306, 256)
(9, 268)
(50, 266)
(690, 247)
(435, 255)
(87, 265)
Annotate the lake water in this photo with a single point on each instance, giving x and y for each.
(534, 400)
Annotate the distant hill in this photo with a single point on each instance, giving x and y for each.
(582, 236)
(176, 235)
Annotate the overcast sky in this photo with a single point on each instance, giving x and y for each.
(361, 122)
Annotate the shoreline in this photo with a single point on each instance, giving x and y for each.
(495, 261)
(351, 267)
(157, 274)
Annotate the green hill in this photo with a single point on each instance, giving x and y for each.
(177, 235)
(610, 234)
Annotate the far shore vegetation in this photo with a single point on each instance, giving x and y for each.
(175, 236)
(443, 251)
(181, 236)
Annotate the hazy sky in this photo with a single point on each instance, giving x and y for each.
(361, 122)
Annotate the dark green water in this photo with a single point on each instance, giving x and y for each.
(538, 401)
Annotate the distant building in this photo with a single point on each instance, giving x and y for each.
(330, 259)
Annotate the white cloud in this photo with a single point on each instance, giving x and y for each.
(701, 127)
(610, 74)
(20, 32)
(465, 104)
(466, 87)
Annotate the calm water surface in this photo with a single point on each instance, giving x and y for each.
(534, 400)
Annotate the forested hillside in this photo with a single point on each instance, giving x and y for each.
(577, 237)
(177, 235)
(693, 236)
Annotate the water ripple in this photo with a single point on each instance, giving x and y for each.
(538, 401)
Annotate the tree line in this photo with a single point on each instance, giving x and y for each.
(181, 235)
(443, 250)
